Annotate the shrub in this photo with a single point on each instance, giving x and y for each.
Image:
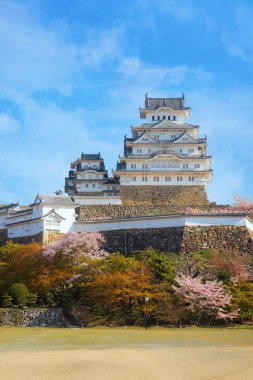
(19, 293)
(31, 299)
(6, 300)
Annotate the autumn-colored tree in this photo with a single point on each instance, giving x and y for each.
(25, 263)
(207, 301)
(120, 296)
(229, 266)
(114, 289)
(20, 263)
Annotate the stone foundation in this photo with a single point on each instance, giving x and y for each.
(32, 317)
(37, 238)
(3, 236)
(125, 211)
(169, 195)
(181, 239)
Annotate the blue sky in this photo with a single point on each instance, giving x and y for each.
(73, 74)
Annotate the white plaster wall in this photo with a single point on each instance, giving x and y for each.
(92, 163)
(2, 220)
(148, 148)
(160, 222)
(127, 180)
(67, 212)
(180, 117)
(25, 229)
(81, 187)
(205, 220)
(98, 200)
(131, 223)
(249, 224)
(153, 164)
(19, 217)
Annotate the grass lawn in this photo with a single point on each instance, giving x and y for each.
(126, 354)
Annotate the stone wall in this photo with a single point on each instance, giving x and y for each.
(181, 239)
(3, 236)
(37, 238)
(32, 317)
(170, 195)
(52, 236)
(125, 211)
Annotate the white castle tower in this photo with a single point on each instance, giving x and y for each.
(165, 150)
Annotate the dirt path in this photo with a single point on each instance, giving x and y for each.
(212, 363)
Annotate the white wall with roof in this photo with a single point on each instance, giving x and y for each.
(179, 220)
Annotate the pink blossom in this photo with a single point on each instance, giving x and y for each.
(77, 246)
(208, 299)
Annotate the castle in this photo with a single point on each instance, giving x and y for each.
(165, 169)
(164, 151)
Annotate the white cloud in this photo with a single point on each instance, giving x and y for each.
(41, 58)
(8, 124)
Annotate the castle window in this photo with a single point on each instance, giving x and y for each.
(164, 117)
(185, 166)
(158, 117)
(144, 179)
(156, 137)
(133, 166)
(156, 179)
(86, 185)
(173, 136)
(180, 179)
(190, 150)
(167, 179)
(196, 166)
(174, 117)
(168, 117)
(93, 185)
(133, 179)
(139, 150)
(144, 166)
(180, 150)
(191, 179)
(153, 118)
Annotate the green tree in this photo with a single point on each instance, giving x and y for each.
(19, 293)
(242, 300)
(159, 263)
(6, 300)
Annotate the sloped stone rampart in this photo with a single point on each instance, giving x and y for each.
(32, 317)
(3, 236)
(37, 238)
(169, 195)
(125, 211)
(181, 239)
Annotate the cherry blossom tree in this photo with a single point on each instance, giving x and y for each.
(77, 246)
(242, 205)
(206, 301)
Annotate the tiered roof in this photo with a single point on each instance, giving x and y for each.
(155, 103)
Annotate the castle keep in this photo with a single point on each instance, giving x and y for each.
(164, 161)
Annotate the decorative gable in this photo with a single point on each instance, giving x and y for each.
(185, 138)
(144, 138)
(163, 124)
